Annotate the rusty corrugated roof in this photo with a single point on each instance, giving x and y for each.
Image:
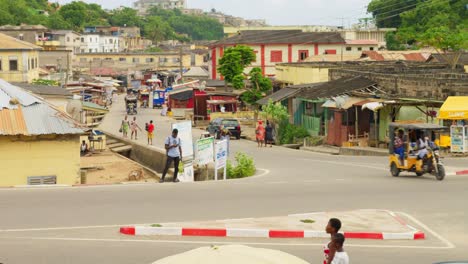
(12, 122)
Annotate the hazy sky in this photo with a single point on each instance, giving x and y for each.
(276, 12)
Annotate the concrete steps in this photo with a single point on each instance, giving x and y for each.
(115, 145)
(121, 149)
(111, 141)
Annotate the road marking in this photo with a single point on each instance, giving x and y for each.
(353, 164)
(278, 182)
(222, 242)
(312, 181)
(64, 228)
(340, 180)
(444, 240)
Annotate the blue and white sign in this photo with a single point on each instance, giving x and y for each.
(221, 154)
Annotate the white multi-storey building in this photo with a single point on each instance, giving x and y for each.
(96, 43)
(142, 6)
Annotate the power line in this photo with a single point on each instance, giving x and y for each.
(425, 4)
(387, 6)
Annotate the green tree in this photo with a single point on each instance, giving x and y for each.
(126, 16)
(233, 63)
(393, 43)
(387, 12)
(157, 29)
(439, 24)
(259, 86)
(275, 111)
(74, 13)
(56, 21)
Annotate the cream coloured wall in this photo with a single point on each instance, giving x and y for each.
(22, 157)
(25, 72)
(270, 67)
(301, 75)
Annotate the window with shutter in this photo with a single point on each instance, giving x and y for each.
(276, 56)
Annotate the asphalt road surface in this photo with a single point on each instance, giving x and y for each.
(80, 225)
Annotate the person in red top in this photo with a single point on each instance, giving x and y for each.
(150, 133)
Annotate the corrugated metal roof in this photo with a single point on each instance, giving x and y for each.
(279, 95)
(12, 122)
(31, 116)
(14, 92)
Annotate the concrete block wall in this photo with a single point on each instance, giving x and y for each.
(422, 82)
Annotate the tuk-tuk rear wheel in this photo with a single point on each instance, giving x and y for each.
(419, 174)
(394, 170)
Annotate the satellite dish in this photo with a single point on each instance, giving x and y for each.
(202, 86)
(74, 108)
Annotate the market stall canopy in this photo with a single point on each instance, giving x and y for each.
(454, 108)
(232, 254)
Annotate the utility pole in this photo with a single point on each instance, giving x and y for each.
(68, 68)
(181, 64)
(59, 65)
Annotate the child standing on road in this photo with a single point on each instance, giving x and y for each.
(341, 257)
(333, 226)
(150, 133)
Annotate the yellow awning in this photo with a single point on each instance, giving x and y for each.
(454, 108)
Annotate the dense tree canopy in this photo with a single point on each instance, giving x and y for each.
(441, 24)
(233, 63)
(158, 25)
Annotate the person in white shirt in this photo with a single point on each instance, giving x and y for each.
(341, 257)
(174, 154)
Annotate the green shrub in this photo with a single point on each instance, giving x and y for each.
(245, 167)
(288, 133)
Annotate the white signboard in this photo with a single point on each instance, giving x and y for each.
(205, 151)
(187, 176)
(221, 154)
(185, 135)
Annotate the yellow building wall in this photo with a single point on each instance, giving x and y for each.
(25, 72)
(22, 157)
(172, 62)
(300, 75)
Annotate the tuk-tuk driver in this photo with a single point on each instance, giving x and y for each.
(423, 143)
(400, 146)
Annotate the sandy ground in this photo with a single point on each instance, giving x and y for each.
(112, 168)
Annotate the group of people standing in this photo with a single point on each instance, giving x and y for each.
(133, 127)
(264, 134)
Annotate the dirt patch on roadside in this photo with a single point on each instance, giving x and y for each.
(108, 167)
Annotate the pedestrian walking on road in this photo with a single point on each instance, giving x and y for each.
(333, 226)
(341, 257)
(268, 134)
(134, 127)
(260, 134)
(226, 135)
(174, 154)
(150, 131)
(124, 127)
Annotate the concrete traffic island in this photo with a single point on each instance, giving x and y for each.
(359, 224)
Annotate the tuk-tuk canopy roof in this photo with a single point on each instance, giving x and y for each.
(454, 108)
(417, 126)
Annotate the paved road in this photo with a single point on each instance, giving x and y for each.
(75, 225)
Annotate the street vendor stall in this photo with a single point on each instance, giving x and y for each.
(455, 108)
